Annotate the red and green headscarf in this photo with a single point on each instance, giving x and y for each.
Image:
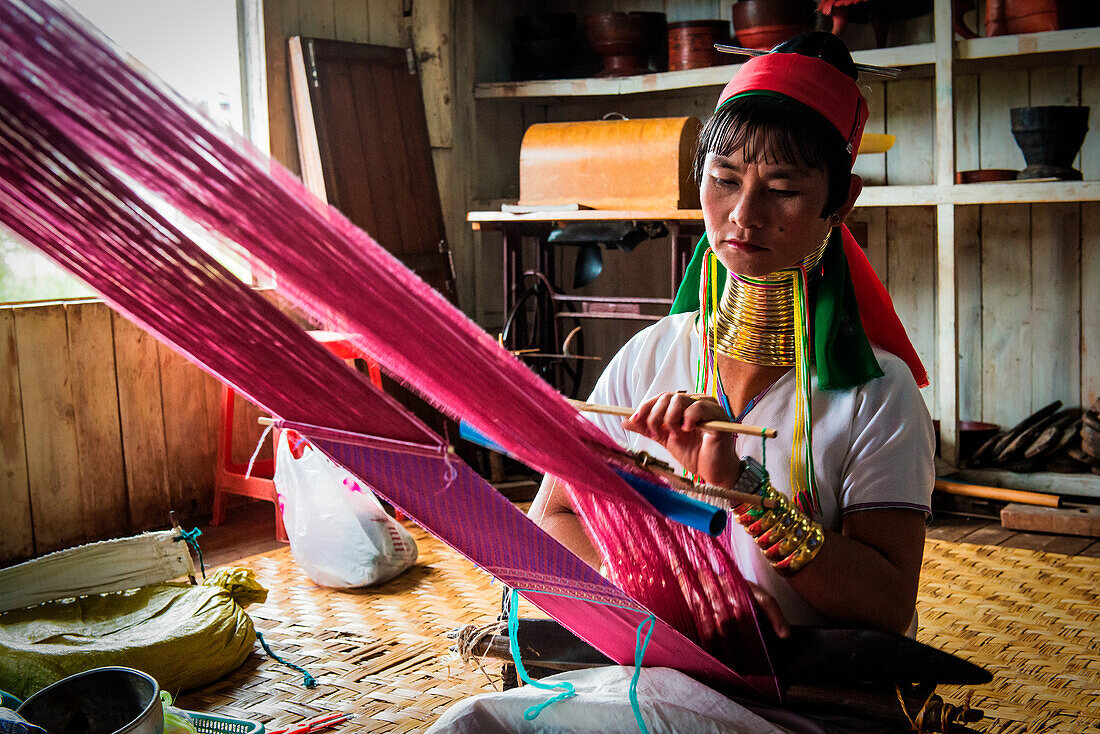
(851, 309)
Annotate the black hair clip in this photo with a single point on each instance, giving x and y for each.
(890, 72)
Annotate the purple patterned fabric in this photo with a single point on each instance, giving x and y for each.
(439, 492)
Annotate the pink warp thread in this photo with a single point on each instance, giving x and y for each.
(78, 125)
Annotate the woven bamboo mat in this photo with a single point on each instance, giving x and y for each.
(1033, 619)
(380, 653)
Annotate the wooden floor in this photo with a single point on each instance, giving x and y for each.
(250, 529)
(989, 532)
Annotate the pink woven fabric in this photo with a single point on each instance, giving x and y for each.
(88, 144)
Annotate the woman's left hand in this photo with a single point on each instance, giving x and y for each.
(672, 420)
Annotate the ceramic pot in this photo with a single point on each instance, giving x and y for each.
(1050, 138)
(620, 41)
(656, 35)
(542, 45)
(1003, 17)
(985, 175)
(691, 43)
(761, 24)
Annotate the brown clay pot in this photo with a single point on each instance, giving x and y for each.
(985, 175)
(620, 40)
(761, 24)
(1004, 17)
(691, 43)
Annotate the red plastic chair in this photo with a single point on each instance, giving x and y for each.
(229, 476)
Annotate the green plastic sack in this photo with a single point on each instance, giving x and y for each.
(184, 636)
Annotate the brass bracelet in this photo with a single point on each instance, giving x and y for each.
(802, 555)
(789, 543)
(788, 537)
(766, 521)
(764, 518)
(780, 530)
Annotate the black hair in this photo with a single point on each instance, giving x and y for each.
(779, 129)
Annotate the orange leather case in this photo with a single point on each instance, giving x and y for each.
(610, 164)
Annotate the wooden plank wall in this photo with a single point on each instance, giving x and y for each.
(1028, 277)
(102, 429)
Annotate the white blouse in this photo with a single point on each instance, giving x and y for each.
(873, 445)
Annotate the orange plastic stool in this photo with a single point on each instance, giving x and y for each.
(229, 476)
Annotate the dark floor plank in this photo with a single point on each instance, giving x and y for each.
(1091, 551)
(953, 527)
(1027, 541)
(991, 534)
(1070, 545)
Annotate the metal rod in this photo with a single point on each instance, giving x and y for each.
(887, 71)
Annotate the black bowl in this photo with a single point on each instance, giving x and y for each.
(1050, 138)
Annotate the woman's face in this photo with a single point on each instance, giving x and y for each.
(762, 217)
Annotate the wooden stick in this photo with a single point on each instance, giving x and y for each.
(178, 529)
(722, 426)
(729, 495)
(998, 493)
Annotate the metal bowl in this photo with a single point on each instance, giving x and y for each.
(100, 701)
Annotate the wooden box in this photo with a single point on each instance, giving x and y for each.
(642, 164)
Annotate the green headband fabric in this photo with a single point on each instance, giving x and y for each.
(842, 352)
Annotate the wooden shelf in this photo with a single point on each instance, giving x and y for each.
(1020, 192)
(488, 219)
(982, 193)
(902, 56)
(907, 57)
(1024, 44)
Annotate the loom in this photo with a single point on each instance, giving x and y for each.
(92, 149)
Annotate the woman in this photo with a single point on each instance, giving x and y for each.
(855, 439)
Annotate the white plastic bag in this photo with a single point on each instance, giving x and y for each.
(339, 533)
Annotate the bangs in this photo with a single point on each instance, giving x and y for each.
(777, 130)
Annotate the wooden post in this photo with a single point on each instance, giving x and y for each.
(946, 369)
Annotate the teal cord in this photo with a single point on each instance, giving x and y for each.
(640, 646)
(192, 538)
(567, 689)
(307, 680)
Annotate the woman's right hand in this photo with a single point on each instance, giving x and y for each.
(672, 419)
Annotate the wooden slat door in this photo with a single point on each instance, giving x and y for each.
(364, 147)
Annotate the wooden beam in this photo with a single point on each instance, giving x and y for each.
(17, 540)
(95, 405)
(53, 465)
(1064, 521)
